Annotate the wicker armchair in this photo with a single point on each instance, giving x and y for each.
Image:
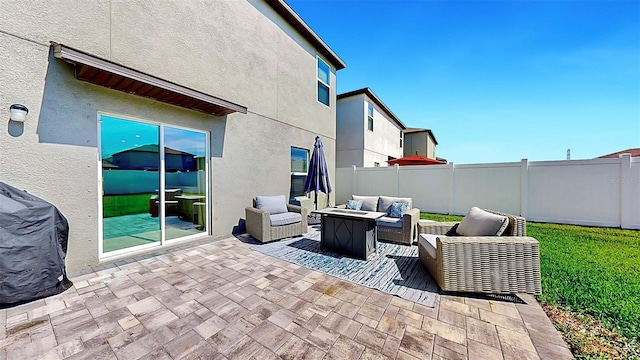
(505, 264)
(259, 226)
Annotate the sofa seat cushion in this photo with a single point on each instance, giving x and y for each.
(481, 223)
(385, 203)
(429, 243)
(387, 221)
(369, 203)
(285, 218)
(271, 204)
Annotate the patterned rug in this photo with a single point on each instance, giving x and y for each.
(394, 269)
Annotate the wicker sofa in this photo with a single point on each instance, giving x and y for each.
(403, 230)
(262, 225)
(506, 264)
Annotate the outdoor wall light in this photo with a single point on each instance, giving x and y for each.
(18, 113)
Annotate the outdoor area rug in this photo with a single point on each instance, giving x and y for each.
(394, 269)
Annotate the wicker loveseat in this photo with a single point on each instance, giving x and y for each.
(265, 224)
(403, 230)
(506, 264)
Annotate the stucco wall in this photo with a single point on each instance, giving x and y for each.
(421, 143)
(240, 51)
(383, 140)
(350, 127)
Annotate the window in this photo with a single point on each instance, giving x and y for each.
(401, 138)
(370, 116)
(299, 163)
(324, 74)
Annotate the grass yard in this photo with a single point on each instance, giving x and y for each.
(593, 275)
(117, 205)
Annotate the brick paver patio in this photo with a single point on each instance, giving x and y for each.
(222, 300)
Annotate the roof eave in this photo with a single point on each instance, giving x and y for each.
(282, 8)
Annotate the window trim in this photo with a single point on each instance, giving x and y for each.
(370, 117)
(320, 81)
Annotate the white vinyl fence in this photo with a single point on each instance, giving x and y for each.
(119, 182)
(598, 192)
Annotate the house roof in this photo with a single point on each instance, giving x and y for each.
(633, 152)
(106, 73)
(284, 10)
(369, 93)
(417, 130)
(154, 149)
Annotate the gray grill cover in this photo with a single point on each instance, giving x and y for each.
(33, 245)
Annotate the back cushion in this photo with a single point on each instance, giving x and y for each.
(384, 205)
(481, 223)
(369, 203)
(272, 204)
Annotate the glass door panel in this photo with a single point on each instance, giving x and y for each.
(130, 183)
(185, 182)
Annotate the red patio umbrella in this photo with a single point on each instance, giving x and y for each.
(415, 160)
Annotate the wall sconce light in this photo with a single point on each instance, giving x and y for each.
(18, 113)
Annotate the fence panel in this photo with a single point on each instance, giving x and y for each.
(598, 192)
(377, 181)
(489, 186)
(428, 186)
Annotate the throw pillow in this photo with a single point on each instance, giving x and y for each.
(481, 223)
(272, 204)
(369, 203)
(398, 209)
(384, 205)
(354, 204)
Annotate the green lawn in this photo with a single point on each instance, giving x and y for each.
(117, 205)
(589, 270)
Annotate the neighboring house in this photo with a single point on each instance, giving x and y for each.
(241, 84)
(420, 142)
(146, 157)
(368, 133)
(634, 152)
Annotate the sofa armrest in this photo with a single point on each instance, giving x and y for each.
(299, 209)
(410, 223)
(498, 264)
(258, 224)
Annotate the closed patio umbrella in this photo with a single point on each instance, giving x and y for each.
(318, 176)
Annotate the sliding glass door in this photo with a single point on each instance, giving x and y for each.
(154, 184)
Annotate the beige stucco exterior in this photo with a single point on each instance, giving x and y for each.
(240, 51)
(355, 143)
(421, 143)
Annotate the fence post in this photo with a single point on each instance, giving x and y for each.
(452, 190)
(524, 188)
(397, 179)
(353, 185)
(626, 182)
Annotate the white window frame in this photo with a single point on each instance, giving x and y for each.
(318, 80)
(127, 252)
(373, 111)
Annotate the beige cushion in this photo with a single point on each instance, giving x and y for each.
(429, 243)
(369, 203)
(481, 223)
(384, 205)
(272, 204)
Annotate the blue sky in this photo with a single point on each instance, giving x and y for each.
(495, 80)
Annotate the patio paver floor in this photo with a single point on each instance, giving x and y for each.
(222, 300)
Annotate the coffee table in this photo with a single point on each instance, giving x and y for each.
(352, 232)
